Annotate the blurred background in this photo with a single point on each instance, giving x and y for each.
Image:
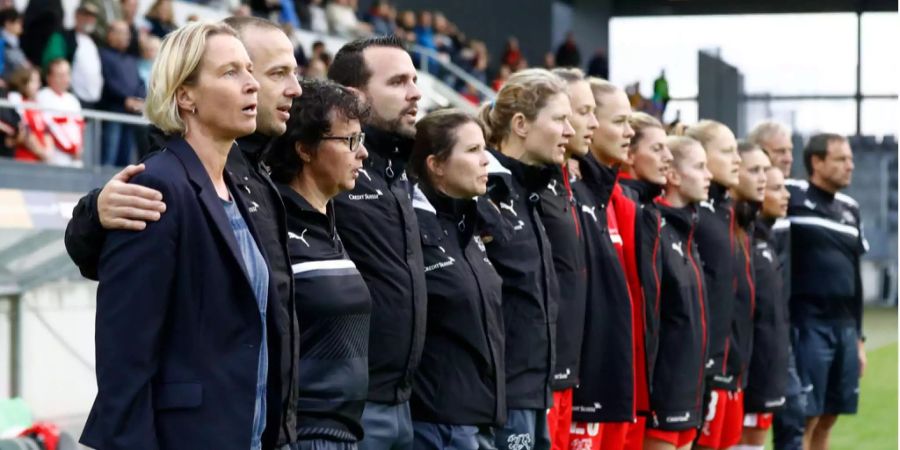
(817, 66)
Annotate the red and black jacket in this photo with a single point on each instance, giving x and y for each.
(745, 214)
(717, 244)
(676, 294)
(606, 389)
(628, 199)
(560, 217)
(767, 377)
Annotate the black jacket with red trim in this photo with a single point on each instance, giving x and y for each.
(716, 242)
(767, 377)
(606, 390)
(518, 247)
(745, 292)
(675, 288)
(628, 199)
(560, 217)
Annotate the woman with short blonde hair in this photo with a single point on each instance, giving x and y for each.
(181, 331)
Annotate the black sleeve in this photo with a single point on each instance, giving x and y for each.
(85, 235)
(648, 226)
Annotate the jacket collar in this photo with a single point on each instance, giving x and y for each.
(718, 194)
(598, 177)
(389, 152)
(254, 146)
(646, 190)
(820, 192)
(763, 228)
(532, 178)
(462, 212)
(293, 201)
(683, 219)
(209, 199)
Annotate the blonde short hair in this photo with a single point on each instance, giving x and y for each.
(600, 88)
(640, 122)
(679, 146)
(527, 92)
(704, 131)
(177, 65)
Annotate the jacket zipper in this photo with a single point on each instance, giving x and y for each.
(702, 318)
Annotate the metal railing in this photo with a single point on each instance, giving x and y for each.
(431, 57)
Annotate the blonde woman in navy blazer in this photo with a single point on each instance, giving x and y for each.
(180, 331)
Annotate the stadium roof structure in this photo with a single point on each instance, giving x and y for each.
(708, 7)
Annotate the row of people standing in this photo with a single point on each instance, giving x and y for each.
(365, 286)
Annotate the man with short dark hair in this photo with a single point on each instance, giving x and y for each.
(124, 206)
(381, 234)
(827, 243)
(77, 46)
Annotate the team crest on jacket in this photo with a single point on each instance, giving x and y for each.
(519, 442)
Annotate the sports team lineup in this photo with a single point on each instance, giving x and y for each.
(315, 264)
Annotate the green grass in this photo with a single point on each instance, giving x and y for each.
(874, 427)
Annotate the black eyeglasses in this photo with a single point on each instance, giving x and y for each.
(354, 141)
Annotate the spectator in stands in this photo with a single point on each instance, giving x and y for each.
(479, 63)
(502, 75)
(77, 47)
(149, 49)
(129, 15)
(123, 92)
(406, 26)
(35, 144)
(161, 18)
(568, 55)
(425, 31)
(242, 10)
(549, 60)
(10, 123)
(316, 69)
(108, 11)
(318, 20)
(13, 56)
(65, 123)
(40, 20)
(598, 66)
(381, 20)
(343, 21)
(511, 54)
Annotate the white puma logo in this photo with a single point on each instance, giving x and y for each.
(708, 205)
(509, 207)
(363, 171)
(767, 254)
(301, 237)
(809, 204)
(552, 187)
(677, 247)
(592, 210)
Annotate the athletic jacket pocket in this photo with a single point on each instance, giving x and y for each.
(177, 396)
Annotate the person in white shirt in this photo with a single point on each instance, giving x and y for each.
(63, 117)
(87, 80)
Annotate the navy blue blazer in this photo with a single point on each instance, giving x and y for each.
(178, 329)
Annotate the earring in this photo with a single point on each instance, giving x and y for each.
(194, 111)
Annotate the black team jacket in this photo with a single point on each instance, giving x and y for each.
(85, 236)
(745, 292)
(675, 286)
(560, 216)
(717, 244)
(460, 380)
(379, 229)
(518, 247)
(767, 377)
(606, 391)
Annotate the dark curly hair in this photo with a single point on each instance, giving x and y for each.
(312, 114)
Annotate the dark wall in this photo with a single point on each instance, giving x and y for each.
(669, 7)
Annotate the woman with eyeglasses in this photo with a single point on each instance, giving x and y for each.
(319, 157)
(460, 383)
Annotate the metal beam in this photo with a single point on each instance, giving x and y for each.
(28, 245)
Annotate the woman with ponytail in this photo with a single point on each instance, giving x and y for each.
(528, 129)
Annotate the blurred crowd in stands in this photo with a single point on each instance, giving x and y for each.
(103, 62)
